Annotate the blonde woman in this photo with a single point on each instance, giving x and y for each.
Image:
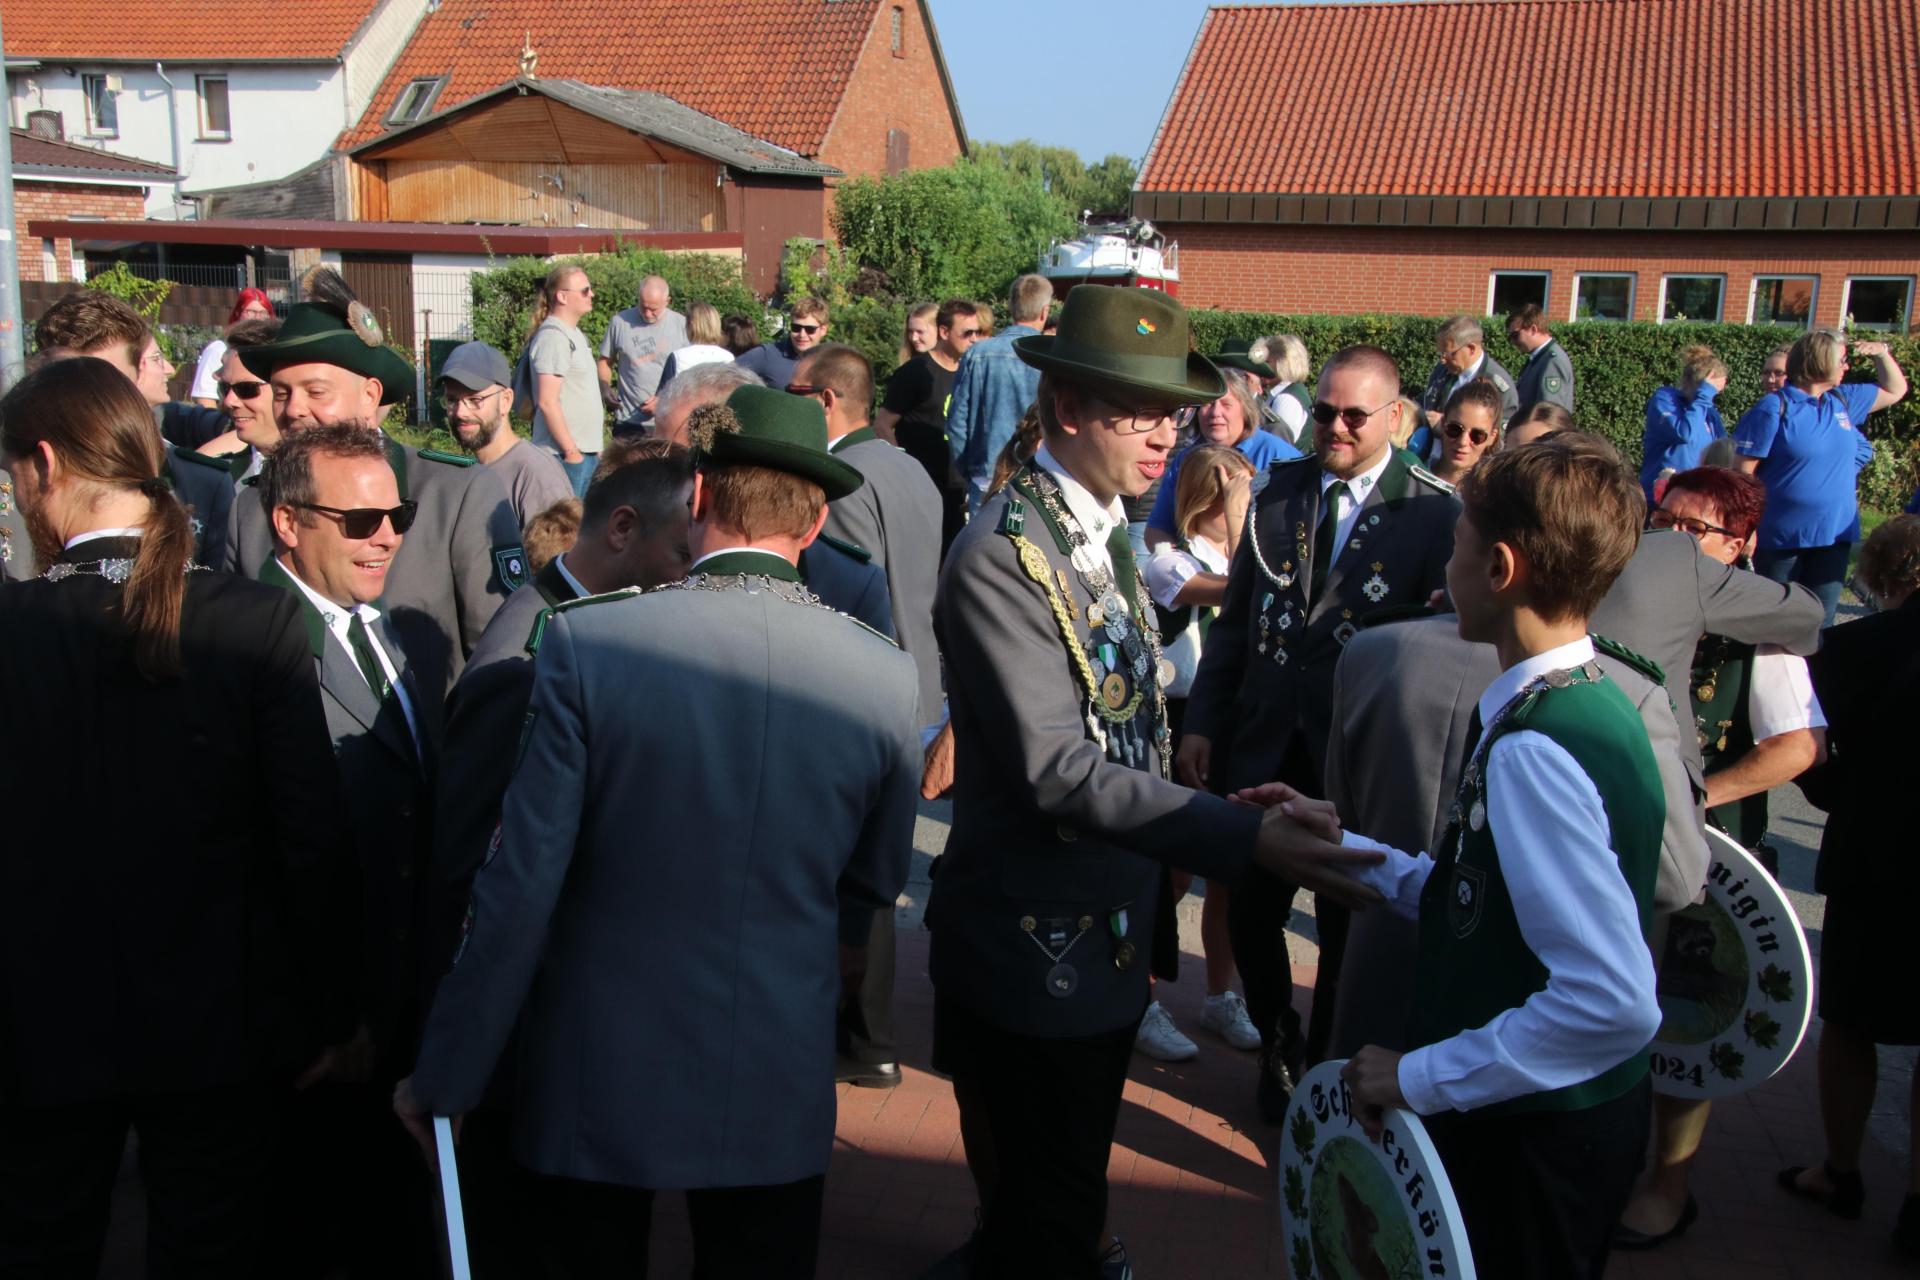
(920, 335)
(706, 343)
(1681, 419)
(1290, 397)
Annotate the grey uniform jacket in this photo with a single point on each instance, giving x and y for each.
(458, 562)
(896, 516)
(1045, 826)
(705, 773)
(386, 788)
(1255, 689)
(1404, 696)
(1440, 386)
(1546, 378)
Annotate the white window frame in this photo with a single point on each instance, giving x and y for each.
(1846, 299)
(1753, 294)
(1633, 294)
(1660, 311)
(1493, 280)
(94, 127)
(433, 86)
(207, 132)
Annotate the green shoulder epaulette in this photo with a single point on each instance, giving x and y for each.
(1427, 477)
(1644, 665)
(222, 463)
(1395, 613)
(451, 459)
(859, 553)
(539, 632)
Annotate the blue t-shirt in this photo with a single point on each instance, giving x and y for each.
(1679, 429)
(1809, 456)
(1262, 449)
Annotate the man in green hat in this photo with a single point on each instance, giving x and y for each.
(462, 557)
(711, 771)
(1050, 906)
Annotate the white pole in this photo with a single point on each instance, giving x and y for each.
(450, 1198)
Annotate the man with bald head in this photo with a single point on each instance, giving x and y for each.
(634, 353)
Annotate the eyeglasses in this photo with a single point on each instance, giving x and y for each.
(1661, 518)
(1353, 415)
(243, 390)
(154, 357)
(802, 389)
(968, 335)
(797, 327)
(1479, 435)
(1141, 421)
(360, 523)
(456, 403)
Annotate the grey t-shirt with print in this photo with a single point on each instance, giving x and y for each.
(561, 349)
(533, 478)
(642, 351)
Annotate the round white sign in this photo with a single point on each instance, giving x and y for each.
(1736, 983)
(1352, 1208)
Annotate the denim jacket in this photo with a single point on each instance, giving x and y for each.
(991, 389)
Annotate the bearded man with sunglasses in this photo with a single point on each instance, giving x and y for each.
(330, 365)
(351, 1187)
(1350, 531)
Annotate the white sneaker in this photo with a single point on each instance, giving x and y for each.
(1159, 1038)
(1226, 1016)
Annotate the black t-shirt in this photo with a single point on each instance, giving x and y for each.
(919, 391)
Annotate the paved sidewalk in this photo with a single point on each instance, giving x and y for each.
(1194, 1194)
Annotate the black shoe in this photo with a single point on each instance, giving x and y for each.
(1114, 1264)
(1274, 1092)
(866, 1075)
(1848, 1196)
(1625, 1237)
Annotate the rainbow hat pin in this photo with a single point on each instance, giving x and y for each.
(1145, 327)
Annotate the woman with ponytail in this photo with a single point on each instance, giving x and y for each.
(168, 963)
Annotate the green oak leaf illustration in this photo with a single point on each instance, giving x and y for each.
(1761, 1028)
(1304, 1135)
(1302, 1259)
(1726, 1060)
(1776, 984)
(1296, 1192)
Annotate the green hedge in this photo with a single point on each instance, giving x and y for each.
(1616, 368)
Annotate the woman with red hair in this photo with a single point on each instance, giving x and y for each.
(252, 304)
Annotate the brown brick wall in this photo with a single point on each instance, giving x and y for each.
(34, 199)
(888, 93)
(1430, 271)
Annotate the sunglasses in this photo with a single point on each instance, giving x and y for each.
(243, 390)
(802, 389)
(360, 523)
(806, 328)
(1479, 435)
(1661, 518)
(1513, 336)
(1354, 416)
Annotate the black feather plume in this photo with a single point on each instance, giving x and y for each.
(324, 285)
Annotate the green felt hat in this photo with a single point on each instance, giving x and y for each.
(1233, 354)
(784, 432)
(1133, 346)
(315, 333)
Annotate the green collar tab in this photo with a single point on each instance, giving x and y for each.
(755, 564)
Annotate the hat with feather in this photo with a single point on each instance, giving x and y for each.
(333, 327)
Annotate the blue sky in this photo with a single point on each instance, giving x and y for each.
(1065, 72)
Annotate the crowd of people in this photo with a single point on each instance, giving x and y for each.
(566, 781)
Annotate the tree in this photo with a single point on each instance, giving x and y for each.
(1106, 187)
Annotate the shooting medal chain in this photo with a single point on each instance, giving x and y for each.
(116, 571)
(1470, 779)
(1137, 644)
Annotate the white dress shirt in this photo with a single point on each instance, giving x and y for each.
(1780, 696)
(1574, 911)
(1096, 521)
(1351, 497)
(1463, 379)
(724, 551)
(566, 574)
(338, 620)
(91, 534)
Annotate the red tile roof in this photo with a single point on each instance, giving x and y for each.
(775, 69)
(1599, 98)
(168, 30)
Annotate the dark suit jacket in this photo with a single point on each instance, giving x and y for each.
(848, 583)
(153, 942)
(205, 487)
(1249, 704)
(386, 785)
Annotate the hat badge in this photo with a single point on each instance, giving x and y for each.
(365, 327)
(1145, 327)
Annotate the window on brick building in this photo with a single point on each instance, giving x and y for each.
(899, 31)
(1603, 295)
(1508, 291)
(216, 117)
(103, 105)
(1692, 298)
(1878, 302)
(899, 150)
(1783, 300)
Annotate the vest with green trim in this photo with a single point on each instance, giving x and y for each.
(1474, 964)
(1721, 680)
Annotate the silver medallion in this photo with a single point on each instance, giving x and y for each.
(1374, 589)
(1062, 981)
(1477, 816)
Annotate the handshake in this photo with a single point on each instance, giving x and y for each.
(1299, 841)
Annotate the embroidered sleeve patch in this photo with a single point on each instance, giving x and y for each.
(511, 564)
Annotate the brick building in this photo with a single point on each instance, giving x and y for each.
(1608, 159)
(55, 179)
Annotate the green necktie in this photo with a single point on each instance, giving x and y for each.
(1323, 537)
(1120, 550)
(362, 645)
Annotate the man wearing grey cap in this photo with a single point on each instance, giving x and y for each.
(474, 385)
